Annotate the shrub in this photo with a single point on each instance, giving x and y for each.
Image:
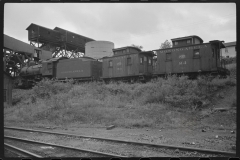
(20, 95)
(60, 100)
(45, 88)
(122, 104)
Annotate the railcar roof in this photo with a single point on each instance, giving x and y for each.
(57, 58)
(217, 41)
(119, 55)
(181, 46)
(87, 57)
(181, 38)
(230, 44)
(116, 49)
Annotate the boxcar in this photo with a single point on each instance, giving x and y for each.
(191, 58)
(128, 63)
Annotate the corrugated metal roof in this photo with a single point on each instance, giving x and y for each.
(56, 58)
(20, 46)
(57, 28)
(17, 45)
(119, 55)
(32, 24)
(230, 44)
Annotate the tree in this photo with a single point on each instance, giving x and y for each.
(166, 44)
(140, 47)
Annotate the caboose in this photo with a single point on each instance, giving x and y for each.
(128, 63)
(190, 56)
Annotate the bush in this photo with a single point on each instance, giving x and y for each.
(46, 88)
(122, 104)
(20, 95)
(60, 100)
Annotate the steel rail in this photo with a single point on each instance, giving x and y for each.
(131, 142)
(61, 146)
(21, 151)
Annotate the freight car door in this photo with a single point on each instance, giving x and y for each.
(196, 60)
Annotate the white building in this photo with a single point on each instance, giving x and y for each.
(230, 50)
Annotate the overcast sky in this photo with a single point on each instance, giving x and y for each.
(124, 24)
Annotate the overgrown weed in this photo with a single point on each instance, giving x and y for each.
(122, 104)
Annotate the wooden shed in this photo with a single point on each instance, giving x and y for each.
(7, 90)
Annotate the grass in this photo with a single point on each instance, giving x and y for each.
(161, 102)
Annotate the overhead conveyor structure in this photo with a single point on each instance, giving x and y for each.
(61, 42)
(17, 54)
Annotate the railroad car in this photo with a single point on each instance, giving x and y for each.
(84, 68)
(128, 63)
(34, 72)
(49, 67)
(81, 69)
(190, 56)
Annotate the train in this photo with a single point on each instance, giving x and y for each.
(188, 56)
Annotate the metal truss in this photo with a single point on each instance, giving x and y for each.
(58, 50)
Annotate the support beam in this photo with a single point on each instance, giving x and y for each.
(21, 62)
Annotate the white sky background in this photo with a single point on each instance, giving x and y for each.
(124, 24)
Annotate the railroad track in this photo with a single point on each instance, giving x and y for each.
(163, 148)
(32, 144)
(18, 152)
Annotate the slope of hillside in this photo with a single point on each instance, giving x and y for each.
(173, 111)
